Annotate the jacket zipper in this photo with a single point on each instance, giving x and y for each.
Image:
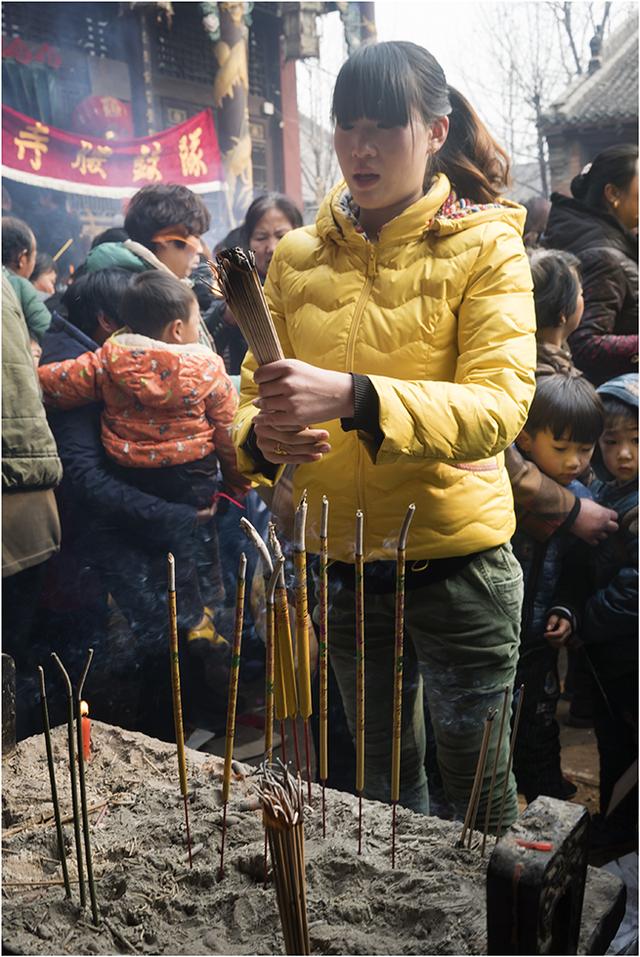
(351, 348)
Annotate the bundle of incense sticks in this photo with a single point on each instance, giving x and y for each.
(302, 627)
(398, 674)
(282, 806)
(323, 654)
(240, 283)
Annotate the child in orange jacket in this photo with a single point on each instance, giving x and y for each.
(168, 402)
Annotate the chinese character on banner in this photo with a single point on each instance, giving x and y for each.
(34, 137)
(191, 154)
(91, 161)
(145, 166)
(111, 107)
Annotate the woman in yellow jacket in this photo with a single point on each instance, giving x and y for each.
(407, 318)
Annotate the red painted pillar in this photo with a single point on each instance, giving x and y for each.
(292, 174)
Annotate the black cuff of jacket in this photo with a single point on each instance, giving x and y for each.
(250, 446)
(563, 612)
(366, 410)
(571, 517)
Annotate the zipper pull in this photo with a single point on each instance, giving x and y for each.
(371, 264)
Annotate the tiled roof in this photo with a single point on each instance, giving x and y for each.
(610, 94)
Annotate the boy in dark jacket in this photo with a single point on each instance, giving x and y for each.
(564, 423)
(610, 626)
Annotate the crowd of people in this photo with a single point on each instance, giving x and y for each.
(430, 358)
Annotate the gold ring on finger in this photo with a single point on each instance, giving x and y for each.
(280, 450)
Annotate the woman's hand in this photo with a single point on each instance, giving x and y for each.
(293, 446)
(295, 393)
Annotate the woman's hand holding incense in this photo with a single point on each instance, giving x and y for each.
(289, 446)
(294, 392)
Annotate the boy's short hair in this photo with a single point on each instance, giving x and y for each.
(569, 406)
(556, 285)
(617, 411)
(94, 293)
(157, 207)
(153, 300)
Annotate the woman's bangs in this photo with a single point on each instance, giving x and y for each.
(370, 87)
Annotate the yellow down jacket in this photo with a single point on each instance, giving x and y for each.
(439, 314)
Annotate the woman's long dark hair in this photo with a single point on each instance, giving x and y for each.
(389, 82)
(617, 165)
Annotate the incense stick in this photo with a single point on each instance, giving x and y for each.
(323, 654)
(52, 779)
(74, 781)
(505, 708)
(514, 734)
(287, 698)
(235, 270)
(302, 626)
(359, 585)
(83, 793)
(233, 699)
(62, 250)
(476, 780)
(177, 698)
(482, 766)
(398, 675)
(282, 808)
(270, 664)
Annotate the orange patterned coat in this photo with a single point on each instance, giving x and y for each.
(164, 404)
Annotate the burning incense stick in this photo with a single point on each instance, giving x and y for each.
(283, 808)
(477, 781)
(323, 654)
(233, 700)
(240, 283)
(514, 734)
(398, 673)
(359, 573)
(302, 626)
(83, 791)
(62, 250)
(487, 817)
(270, 665)
(74, 781)
(177, 699)
(52, 779)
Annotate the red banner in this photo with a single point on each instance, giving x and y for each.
(41, 155)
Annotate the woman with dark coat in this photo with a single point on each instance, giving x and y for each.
(595, 224)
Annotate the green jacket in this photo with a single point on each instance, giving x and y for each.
(29, 454)
(36, 314)
(118, 256)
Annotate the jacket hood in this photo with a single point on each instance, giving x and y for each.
(623, 387)
(438, 211)
(574, 226)
(129, 255)
(142, 367)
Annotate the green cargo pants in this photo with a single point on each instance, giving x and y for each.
(461, 636)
